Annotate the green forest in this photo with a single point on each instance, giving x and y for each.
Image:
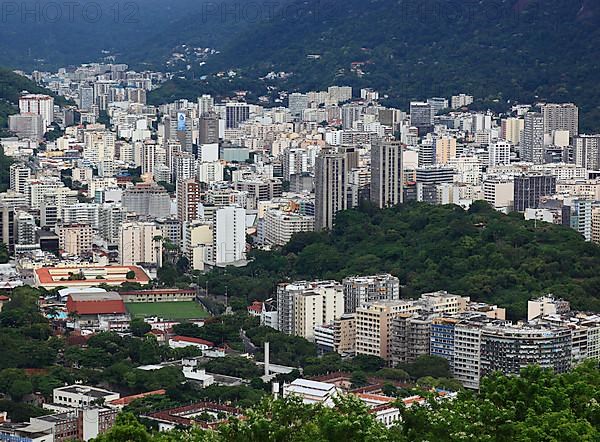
(500, 52)
(492, 257)
(538, 406)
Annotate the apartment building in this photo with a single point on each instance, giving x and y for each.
(361, 289)
(374, 324)
(279, 226)
(302, 305)
(75, 239)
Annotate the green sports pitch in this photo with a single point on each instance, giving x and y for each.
(167, 310)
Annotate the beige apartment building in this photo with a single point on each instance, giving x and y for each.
(139, 243)
(75, 239)
(374, 325)
(344, 334)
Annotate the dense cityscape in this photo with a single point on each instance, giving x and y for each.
(305, 265)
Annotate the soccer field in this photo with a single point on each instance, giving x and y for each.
(167, 310)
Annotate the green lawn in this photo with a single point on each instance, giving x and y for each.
(167, 310)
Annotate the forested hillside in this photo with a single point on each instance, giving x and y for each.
(11, 86)
(538, 406)
(413, 49)
(491, 257)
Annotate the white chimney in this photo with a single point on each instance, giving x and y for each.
(266, 359)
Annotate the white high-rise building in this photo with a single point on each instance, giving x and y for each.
(99, 145)
(19, 174)
(229, 235)
(210, 172)
(499, 153)
(206, 104)
(304, 305)
(38, 104)
(280, 226)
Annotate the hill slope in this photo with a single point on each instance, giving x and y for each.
(409, 49)
(11, 86)
(481, 253)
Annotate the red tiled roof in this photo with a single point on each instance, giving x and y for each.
(4, 298)
(256, 306)
(129, 399)
(95, 307)
(192, 340)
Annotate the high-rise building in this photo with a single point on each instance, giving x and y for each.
(532, 144)
(188, 199)
(208, 128)
(206, 104)
(528, 189)
(509, 349)
(38, 104)
(110, 219)
(279, 226)
(315, 307)
(86, 98)
(339, 94)
(139, 243)
(410, 337)
(24, 224)
(210, 172)
(236, 113)
(19, 174)
(563, 116)
(297, 103)
(28, 126)
(511, 129)
(75, 239)
(445, 149)
(586, 149)
(304, 305)
(374, 326)
(458, 101)
(499, 193)
(363, 289)
(184, 166)
(331, 187)
(229, 235)
(386, 173)
(499, 153)
(421, 115)
(147, 199)
(437, 104)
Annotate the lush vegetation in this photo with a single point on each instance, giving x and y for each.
(11, 86)
(491, 257)
(538, 406)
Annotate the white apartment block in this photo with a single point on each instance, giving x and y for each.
(499, 153)
(38, 104)
(303, 305)
(229, 235)
(280, 226)
(316, 307)
(467, 354)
